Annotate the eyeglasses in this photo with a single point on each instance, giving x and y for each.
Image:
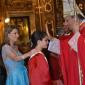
(14, 33)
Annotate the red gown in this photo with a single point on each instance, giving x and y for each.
(69, 60)
(39, 70)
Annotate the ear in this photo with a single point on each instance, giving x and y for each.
(38, 42)
(8, 35)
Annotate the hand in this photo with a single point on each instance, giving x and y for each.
(75, 26)
(46, 27)
(33, 51)
(59, 82)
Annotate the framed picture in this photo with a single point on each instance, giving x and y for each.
(23, 26)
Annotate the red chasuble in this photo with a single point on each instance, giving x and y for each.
(81, 53)
(81, 50)
(39, 70)
(69, 63)
(69, 60)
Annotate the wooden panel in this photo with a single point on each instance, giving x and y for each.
(1, 30)
(58, 8)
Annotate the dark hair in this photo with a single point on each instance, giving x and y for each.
(37, 35)
(8, 29)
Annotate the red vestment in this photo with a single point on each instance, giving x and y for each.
(69, 61)
(81, 54)
(81, 50)
(82, 29)
(39, 70)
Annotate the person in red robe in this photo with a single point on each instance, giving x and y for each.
(81, 53)
(69, 58)
(65, 53)
(38, 68)
(77, 43)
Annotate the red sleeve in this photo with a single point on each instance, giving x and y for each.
(39, 71)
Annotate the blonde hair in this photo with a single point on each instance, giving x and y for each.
(8, 30)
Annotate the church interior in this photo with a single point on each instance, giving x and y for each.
(31, 15)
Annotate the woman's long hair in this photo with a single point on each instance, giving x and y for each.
(8, 30)
(37, 35)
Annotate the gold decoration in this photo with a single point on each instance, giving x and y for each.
(48, 7)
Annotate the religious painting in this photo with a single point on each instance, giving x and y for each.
(23, 26)
(24, 31)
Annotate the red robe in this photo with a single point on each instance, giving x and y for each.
(55, 70)
(39, 70)
(69, 61)
(69, 64)
(81, 54)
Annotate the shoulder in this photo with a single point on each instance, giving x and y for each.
(37, 55)
(5, 46)
(5, 49)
